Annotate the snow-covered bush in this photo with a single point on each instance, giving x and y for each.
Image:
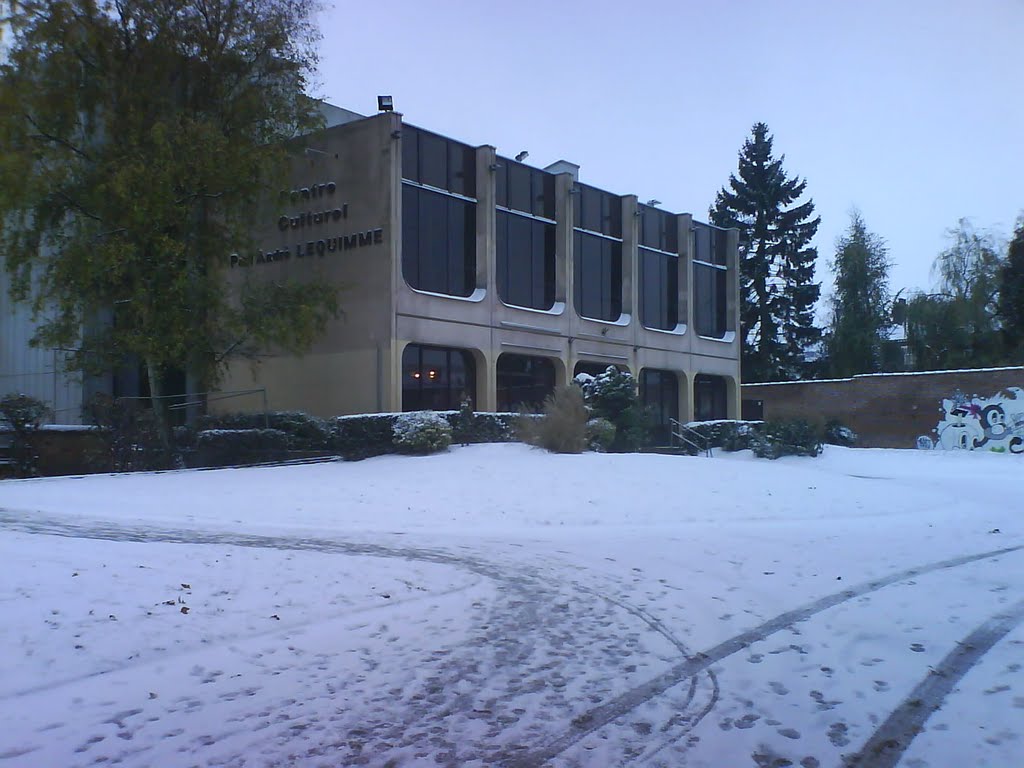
(563, 426)
(305, 432)
(422, 432)
(727, 434)
(608, 394)
(612, 395)
(600, 434)
(787, 438)
(837, 433)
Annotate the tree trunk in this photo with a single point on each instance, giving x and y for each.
(159, 405)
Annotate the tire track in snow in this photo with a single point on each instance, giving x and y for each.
(886, 745)
(612, 710)
(524, 612)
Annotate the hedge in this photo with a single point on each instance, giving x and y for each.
(227, 447)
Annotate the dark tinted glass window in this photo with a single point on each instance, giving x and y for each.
(526, 261)
(431, 159)
(659, 392)
(709, 284)
(524, 381)
(709, 244)
(597, 211)
(659, 290)
(709, 398)
(658, 229)
(438, 242)
(598, 276)
(436, 378)
(525, 189)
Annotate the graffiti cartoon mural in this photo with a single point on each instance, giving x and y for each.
(993, 424)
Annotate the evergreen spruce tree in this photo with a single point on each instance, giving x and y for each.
(860, 302)
(777, 287)
(1011, 297)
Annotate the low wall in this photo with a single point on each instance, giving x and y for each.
(65, 450)
(887, 410)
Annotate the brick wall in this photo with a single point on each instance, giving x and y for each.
(887, 410)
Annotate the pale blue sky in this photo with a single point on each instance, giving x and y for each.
(912, 110)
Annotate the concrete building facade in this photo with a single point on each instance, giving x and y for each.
(468, 273)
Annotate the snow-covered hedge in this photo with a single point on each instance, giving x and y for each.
(304, 432)
(421, 432)
(364, 435)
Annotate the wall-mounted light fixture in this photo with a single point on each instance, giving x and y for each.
(385, 104)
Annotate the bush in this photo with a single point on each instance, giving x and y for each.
(360, 437)
(304, 432)
(421, 432)
(600, 435)
(563, 427)
(130, 438)
(787, 438)
(481, 427)
(608, 394)
(23, 414)
(227, 447)
(837, 433)
(612, 395)
(727, 434)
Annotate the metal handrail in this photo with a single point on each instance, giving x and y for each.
(689, 436)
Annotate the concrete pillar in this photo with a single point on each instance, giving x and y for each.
(685, 237)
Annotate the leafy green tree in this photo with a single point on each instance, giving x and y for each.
(861, 303)
(777, 287)
(136, 137)
(1011, 296)
(958, 326)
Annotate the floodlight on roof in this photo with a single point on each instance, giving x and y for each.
(385, 104)
(522, 156)
(652, 202)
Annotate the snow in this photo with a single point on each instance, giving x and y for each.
(879, 375)
(498, 605)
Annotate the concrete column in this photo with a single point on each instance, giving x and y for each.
(565, 216)
(486, 222)
(685, 237)
(630, 275)
(732, 260)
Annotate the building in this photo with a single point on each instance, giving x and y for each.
(468, 273)
(464, 273)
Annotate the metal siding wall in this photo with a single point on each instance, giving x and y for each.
(32, 371)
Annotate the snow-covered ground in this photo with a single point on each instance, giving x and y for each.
(501, 606)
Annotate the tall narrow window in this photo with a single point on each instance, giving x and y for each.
(710, 275)
(438, 213)
(436, 378)
(659, 269)
(525, 235)
(659, 392)
(597, 253)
